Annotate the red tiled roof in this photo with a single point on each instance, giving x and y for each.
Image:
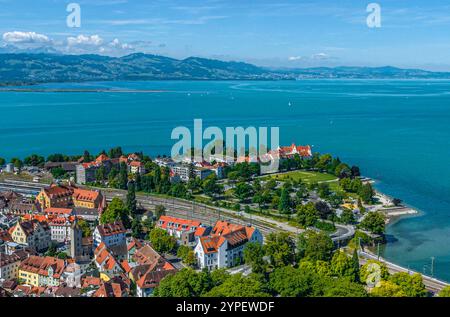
(86, 195)
(5, 236)
(58, 211)
(102, 158)
(30, 226)
(211, 244)
(167, 222)
(134, 243)
(224, 227)
(136, 163)
(91, 281)
(126, 266)
(40, 265)
(224, 231)
(110, 229)
(151, 279)
(58, 191)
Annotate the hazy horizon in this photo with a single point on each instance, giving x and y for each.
(285, 33)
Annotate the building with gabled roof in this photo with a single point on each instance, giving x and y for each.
(117, 286)
(224, 246)
(185, 231)
(34, 234)
(41, 271)
(149, 267)
(61, 198)
(111, 234)
(108, 263)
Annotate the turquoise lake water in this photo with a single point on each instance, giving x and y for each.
(398, 132)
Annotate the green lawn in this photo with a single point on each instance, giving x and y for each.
(307, 177)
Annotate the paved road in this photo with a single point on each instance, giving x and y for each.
(432, 284)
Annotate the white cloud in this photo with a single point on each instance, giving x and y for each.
(25, 37)
(295, 58)
(320, 56)
(117, 44)
(93, 40)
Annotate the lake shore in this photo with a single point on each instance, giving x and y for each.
(393, 213)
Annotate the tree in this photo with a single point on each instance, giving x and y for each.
(2, 161)
(284, 205)
(387, 289)
(397, 202)
(336, 199)
(136, 228)
(161, 241)
(342, 171)
(347, 216)
(17, 163)
(183, 251)
(307, 214)
(239, 286)
(324, 211)
(315, 246)
(57, 158)
(323, 268)
(355, 265)
(160, 210)
(34, 160)
(62, 255)
(85, 228)
(342, 287)
(116, 211)
(100, 174)
(373, 270)
(115, 152)
(131, 199)
(280, 249)
(445, 292)
(323, 162)
(342, 266)
(270, 185)
(138, 182)
(178, 190)
(254, 256)
(287, 281)
(58, 172)
(242, 191)
(185, 283)
(122, 181)
(211, 188)
(51, 251)
(186, 255)
(302, 191)
(411, 285)
(87, 157)
(190, 259)
(323, 189)
(366, 193)
(374, 222)
(355, 171)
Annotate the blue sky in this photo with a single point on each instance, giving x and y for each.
(282, 33)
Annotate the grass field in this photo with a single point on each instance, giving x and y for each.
(307, 177)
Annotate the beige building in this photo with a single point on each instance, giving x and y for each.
(33, 234)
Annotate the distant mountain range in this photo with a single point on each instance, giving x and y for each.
(25, 68)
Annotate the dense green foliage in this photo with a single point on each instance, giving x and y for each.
(161, 241)
(116, 211)
(374, 222)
